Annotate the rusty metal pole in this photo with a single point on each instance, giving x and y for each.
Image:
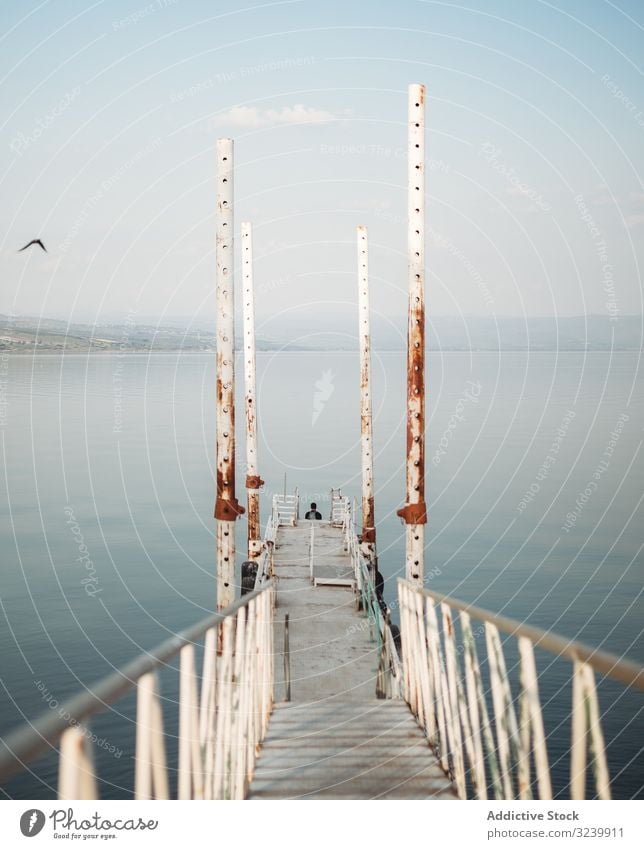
(227, 509)
(368, 535)
(253, 481)
(414, 513)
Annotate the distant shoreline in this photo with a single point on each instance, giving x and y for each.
(313, 351)
(29, 335)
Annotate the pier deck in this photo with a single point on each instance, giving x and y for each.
(331, 651)
(334, 739)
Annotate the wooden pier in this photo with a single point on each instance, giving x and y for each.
(334, 739)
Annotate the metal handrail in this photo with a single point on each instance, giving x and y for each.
(287, 661)
(625, 671)
(286, 505)
(497, 751)
(389, 682)
(26, 743)
(265, 561)
(339, 506)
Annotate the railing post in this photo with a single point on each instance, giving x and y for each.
(225, 676)
(239, 713)
(190, 779)
(532, 728)
(368, 535)
(287, 662)
(150, 774)
(414, 513)
(76, 777)
(208, 709)
(253, 480)
(227, 508)
(586, 726)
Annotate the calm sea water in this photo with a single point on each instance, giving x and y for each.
(109, 459)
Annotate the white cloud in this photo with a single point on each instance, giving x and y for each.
(519, 190)
(251, 117)
(633, 221)
(603, 197)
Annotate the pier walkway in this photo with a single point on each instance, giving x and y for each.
(334, 739)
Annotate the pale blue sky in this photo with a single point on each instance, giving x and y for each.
(111, 111)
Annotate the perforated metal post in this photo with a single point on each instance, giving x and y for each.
(253, 480)
(227, 509)
(414, 513)
(368, 535)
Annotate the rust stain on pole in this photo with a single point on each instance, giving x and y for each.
(253, 480)
(414, 513)
(227, 508)
(368, 535)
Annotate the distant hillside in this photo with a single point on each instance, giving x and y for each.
(445, 333)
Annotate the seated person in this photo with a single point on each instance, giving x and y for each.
(313, 513)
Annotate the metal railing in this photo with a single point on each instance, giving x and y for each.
(312, 554)
(265, 560)
(389, 680)
(286, 509)
(221, 723)
(287, 661)
(495, 752)
(339, 506)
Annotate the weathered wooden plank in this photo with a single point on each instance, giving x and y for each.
(415, 788)
(378, 753)
(342, 738)
(347, 751)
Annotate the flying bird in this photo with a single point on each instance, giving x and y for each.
(34, 242)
